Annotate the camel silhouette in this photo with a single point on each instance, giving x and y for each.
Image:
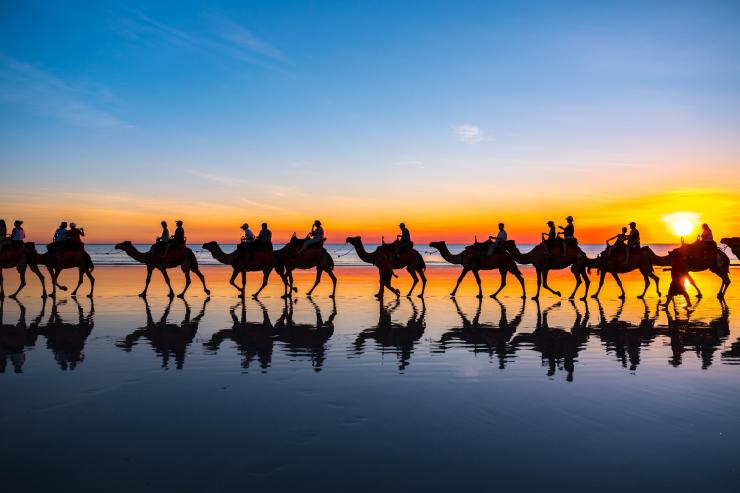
(385, 259)
(167, 339)
(262, 259)
(392, 337)
(474, 258)
(67, 258)
(701, 338)
(698, 260)
(300, 339)
(734, 244)
(20, 258)
(614, 264)
(624, 339)
(290, 257)
(544, 261)
(486, 338)
(14, 338)
(182, 257)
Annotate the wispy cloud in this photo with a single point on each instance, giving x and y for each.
(469, 134)
(223, 38)
(28, 85)
(233, 181)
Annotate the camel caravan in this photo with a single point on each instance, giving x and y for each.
(255, 253)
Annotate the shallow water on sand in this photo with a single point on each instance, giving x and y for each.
(122, 394)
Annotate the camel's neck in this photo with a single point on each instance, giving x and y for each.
(220, 255)
(135, 254)
(660, 260)
(364, 255)
(522, 258)
(449, 256)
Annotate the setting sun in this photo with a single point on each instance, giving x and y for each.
(682, 227)
(682, 223)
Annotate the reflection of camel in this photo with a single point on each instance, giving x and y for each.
(256, 340)
(614, 264)
(181, 256)
(491, 339)
(385, 259)
(67, 257)
(262, 259)
(18, 258)
(314, 256)
(66, 340)
(703, 338)
(475, 258)
(543, 262)
(625, 339)
(13, 339)
(698, 260)
(167, 339)
(558, 347)
(392, 337)
(305, 339)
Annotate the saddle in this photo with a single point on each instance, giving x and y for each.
(391, 247)
(479, 246)
(63, 247)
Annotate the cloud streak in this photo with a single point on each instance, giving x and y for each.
(469, 134)
(27, 85)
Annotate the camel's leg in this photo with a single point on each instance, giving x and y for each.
(393, 290)
(92, 283)
(415, 278)
(520, 278)
(619, 283)
(166, 276)
(725, 285)
(2, 286)
(459, 280)
(22, 275)
(602, 275)
(647, 284)
(587, 283)
(202, 280)
(292, 287)
(38, 273)
(655, 279)
(476, 275)
(539, 284)
(54, 282)
(186, 271)
(423, 283)
(333, 278)
(149, 270)
(319, 271)
(577, 275)
(501, 286)
(231, 281)
(691, 281)
(544, 283)
(81, 276)
(265, 276)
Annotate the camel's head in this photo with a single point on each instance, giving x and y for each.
(437, 244)
(353, 240)
(731, 242)
(123, 245)
(209, 246)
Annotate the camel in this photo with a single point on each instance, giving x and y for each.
(385, 259)
(392, 337)
(474, 258)
(734, 244)
(68, 258)
(254, 340)
(480, 337)
(166, 339)
(543, 262)
(698, 261)
(19, 258)
(66, 340)
(264, 260)
(301, 339)
(313, 257)
(701, 338)
(182, 257)
(614, 264)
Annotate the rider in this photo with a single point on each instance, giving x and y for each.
(633, 241)
(265, 235)
(3, 234)
(248, 235)
(60, 234)
(316, 235)
(17, 235)
(499, 241)
(568, 234)
(548, 239)
(179, 237)
(403, 240)
(164, 238)
(75, 235)
(621, 241)
(706, 233)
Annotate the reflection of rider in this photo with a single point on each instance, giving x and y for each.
(315, 236)
(499, 241)
(619, 243)
(633, 241)
(568, 234)
(403, 240)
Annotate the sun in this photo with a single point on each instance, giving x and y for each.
(683, 227)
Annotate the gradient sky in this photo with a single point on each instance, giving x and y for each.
(450, 116)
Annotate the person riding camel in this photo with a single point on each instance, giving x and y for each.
(568, 232)
(619, 243)
(60, 234)
(3, 234)
(316, 235)
(499, 242)
(177, 239)
(75, 235)
(247, 240)
(549, 238)
(17, 235)
(164, 238)
(403, 240)
(633, 241)
(707, 240)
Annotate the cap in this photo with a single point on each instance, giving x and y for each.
(569, 218)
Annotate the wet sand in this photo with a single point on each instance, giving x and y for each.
(199, 394)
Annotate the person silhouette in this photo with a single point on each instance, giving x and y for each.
(633, 242)
(316, 235)
(499, 241)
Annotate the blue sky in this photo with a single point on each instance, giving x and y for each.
(450, 102)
